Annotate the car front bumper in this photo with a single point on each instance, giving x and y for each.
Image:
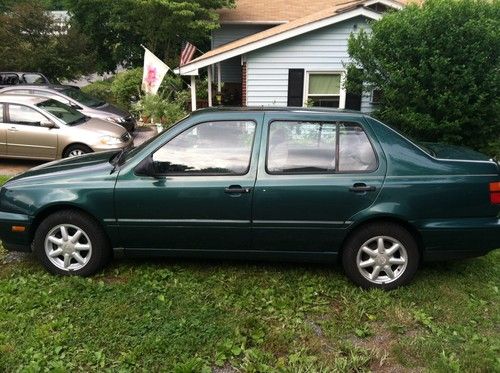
(459, 238)
(15, 239)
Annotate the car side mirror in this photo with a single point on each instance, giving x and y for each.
(147, 168)
(48, 125)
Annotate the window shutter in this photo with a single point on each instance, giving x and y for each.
(295, 87)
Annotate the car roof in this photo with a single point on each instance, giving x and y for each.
(55, 87)
(298, 110)
(22, 99)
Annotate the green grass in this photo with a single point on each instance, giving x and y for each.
(197, 316)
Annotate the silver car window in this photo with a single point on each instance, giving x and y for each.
(20, 114)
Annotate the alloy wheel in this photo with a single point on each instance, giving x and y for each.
(68, 247)
(382, 259)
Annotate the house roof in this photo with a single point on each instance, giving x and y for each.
(279, 11)
(314, 21)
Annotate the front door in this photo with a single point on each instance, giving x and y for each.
(3, 131)
(201, 195)
(317, 172)
(26, 137)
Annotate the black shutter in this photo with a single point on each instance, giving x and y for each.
(296, 87)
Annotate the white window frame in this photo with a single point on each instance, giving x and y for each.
(342, 92)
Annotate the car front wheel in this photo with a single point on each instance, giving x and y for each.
(71, 243)
(381, 255)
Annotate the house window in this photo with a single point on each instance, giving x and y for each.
(323, 89)
(376, 96)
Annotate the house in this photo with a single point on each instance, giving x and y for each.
(286, 52)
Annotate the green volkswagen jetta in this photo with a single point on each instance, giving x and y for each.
(289, 184)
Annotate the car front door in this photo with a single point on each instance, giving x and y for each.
(26, 137)
(200, 196)
(317, 172)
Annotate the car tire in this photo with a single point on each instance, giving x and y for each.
(380, 255)
(76, 150)
(64, 251)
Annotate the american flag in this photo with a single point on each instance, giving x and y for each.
(187, 53)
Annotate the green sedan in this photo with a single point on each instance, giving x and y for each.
(277, 184)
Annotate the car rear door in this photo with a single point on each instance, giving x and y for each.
(25, 135)
(315, 172)
(3, 131)
(201, 195)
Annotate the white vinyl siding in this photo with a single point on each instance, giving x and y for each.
(317, 51)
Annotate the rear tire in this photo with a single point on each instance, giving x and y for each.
(381, 255)
(76, 150)
(70, 242)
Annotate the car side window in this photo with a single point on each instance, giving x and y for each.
(212, 148)
(33, 79)
(356, 153)
(20, 114)
(301, 147)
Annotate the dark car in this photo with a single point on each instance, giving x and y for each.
(9, 78)
(79, 100)
(291, 184)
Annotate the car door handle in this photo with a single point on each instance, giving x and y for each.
(362, 188)
(13, 129)
(237, 189)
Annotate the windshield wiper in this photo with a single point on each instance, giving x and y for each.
(77, 121)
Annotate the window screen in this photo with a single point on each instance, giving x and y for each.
(220, 148)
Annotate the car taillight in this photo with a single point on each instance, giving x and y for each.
(495, 193)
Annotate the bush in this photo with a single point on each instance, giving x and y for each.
(126, 87)
(156, 109)
(438, 67)
(101, 90)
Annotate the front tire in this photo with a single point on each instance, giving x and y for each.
(76, 150)
(381, 255)
(71, 243)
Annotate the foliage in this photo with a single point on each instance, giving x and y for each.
(118, 27)
(126, 87)
(100, 89)
(160, 110)
(30, 40)
(438, 68)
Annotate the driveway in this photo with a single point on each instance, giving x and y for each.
(11, 167)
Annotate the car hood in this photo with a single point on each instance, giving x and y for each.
(446, 151)
(82, 166)
(108, 108)
(102, 127)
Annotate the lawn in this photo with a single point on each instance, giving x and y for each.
(197, 316)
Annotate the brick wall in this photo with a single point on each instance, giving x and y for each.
(244, 84)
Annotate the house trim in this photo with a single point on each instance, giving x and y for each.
(273, 39)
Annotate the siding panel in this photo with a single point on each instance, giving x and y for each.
(325, 49)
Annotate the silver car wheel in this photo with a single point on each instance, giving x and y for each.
(382, 259)
(76, 153)
(68, 247)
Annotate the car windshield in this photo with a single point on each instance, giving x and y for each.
(82, 97)
(67, 114)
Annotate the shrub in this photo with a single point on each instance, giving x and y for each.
(156, 109)
(438, 67)
(126, 87)
(101, 90)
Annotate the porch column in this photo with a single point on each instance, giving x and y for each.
(343, 92)
(193, 92)
(210, 86)
(219, 79)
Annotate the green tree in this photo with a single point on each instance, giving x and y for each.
(117, 28)
(30, 40)
(438, 68)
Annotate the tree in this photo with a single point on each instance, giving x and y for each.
(438, 68)
(31, 40)
(117, 28)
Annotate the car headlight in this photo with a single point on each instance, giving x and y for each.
(110, 140)
(117, 120)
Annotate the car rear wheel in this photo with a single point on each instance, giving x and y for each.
(76, 150)
(381, 255)
(71, 243)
